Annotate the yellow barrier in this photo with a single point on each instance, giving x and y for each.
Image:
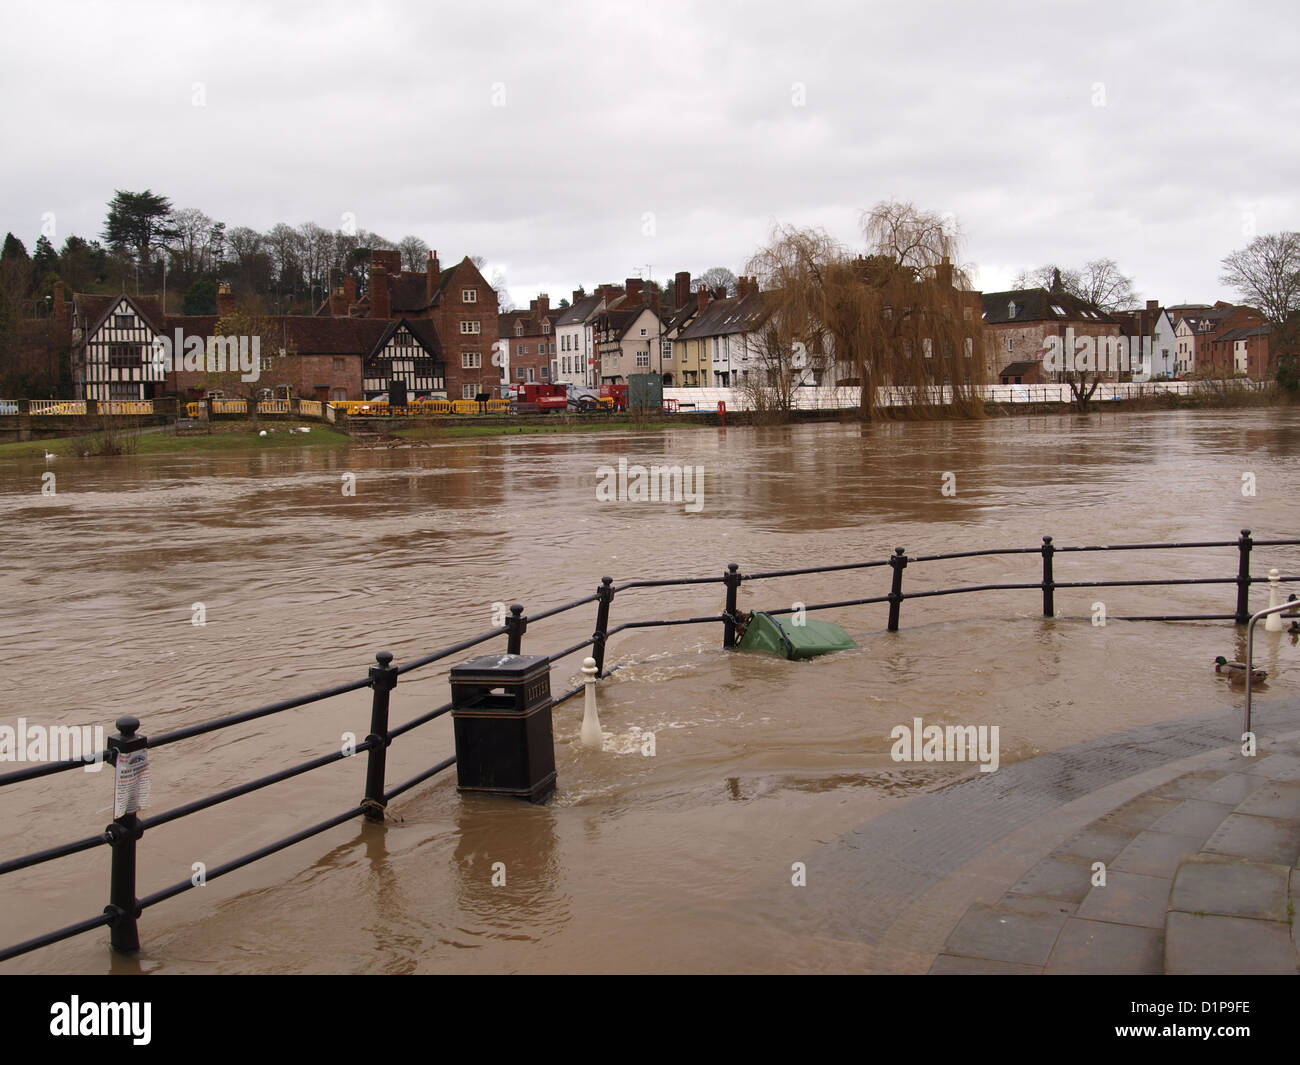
(191, 410)
(309, 407)
(230, 406)
(58, 406)
(126, 406)
(498, 406)
(273, 406)
(464, 406)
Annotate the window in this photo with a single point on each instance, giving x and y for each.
(519, 329)
(966, 314)
(339, 394)
(469, 327)
(468, 391)
(643, 358)
(546, 373)
(469, 295)
(546, 327)
(927, 346)
(123, 321)
(643, 332)
(1011, 309)
(1011, 344)
(666, 349)
(121, 357)
(970, 347)
(339, 364)
(531, 378)
(520, 375)
(471, 360)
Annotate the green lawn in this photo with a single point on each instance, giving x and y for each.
(226, 436)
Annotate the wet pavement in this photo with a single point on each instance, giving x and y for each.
(1158, 850)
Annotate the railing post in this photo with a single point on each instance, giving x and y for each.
(123, 907)
(1049, 586)
(897, 562)
(383, 679)
(605, 596)
(732, 580)
(516, 626)
(1243, 577)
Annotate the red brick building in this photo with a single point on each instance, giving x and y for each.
(531, 339)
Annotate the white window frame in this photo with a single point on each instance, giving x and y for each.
(469, 295)
(470, 328)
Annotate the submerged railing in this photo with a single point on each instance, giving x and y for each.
(124, 907)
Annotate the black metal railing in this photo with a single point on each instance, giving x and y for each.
(122, 834)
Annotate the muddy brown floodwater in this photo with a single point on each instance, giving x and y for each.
(638, 862)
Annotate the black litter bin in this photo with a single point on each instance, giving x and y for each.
(501, 710)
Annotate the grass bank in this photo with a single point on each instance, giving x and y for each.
(225, 437)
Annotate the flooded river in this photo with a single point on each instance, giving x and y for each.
(639, 862)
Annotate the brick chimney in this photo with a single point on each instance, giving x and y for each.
(349, 292)
(431, 272)
(943, 273)
(720, 293)
(389, 259)
(702, 297)
(577, 295)
(543, 304)
(225, 300)
(379, 295)
(338, 301)
(681, 289)
(634, 289)
(1153, 306)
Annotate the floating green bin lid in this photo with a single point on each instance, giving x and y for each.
(765, 633)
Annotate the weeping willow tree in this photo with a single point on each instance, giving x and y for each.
(900, 323)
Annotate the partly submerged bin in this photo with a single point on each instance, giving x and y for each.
(501, 709)
(765, 633)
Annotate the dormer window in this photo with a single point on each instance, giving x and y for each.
(1011, 309)
(546, 327)
(519, 329)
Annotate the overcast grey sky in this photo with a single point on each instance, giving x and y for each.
(583, 142)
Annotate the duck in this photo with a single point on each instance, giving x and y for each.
(1237, 670)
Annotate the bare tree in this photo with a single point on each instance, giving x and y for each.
(913, 238)
(1100, 283)
(1266, 274)
(716, 277)
(316, 246)
(415, 253)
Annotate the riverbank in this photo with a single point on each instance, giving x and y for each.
(224, 437)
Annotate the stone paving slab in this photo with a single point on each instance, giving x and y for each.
(1231, 888)
(1193, 817)
(1099, 947)
(1274, 799)
(1210, 945)
(997, 934)
(1265, 839)
(1129, 898)
(1157, 853)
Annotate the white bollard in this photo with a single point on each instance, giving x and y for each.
(1273, 623)
(591, 734)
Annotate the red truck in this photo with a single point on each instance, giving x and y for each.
(538, 398)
